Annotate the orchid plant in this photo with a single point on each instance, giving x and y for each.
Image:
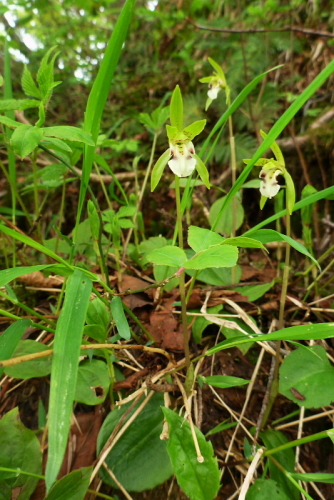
(271, 169)
(180, 155)
(216, 82)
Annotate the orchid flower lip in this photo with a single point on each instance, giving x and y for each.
(269, 186)
(182, 162)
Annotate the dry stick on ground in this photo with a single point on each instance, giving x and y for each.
(250, 474)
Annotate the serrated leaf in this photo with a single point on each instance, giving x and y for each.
(28, 85)
(159, 168)
(202, 170)
(306, 379)
(69, 133)
(17, 104)
(217, 256)
(25, 139)
(167, 256)
(194, 129)
(128, 211)
(176, 109)
(200, 481)
(200, 239)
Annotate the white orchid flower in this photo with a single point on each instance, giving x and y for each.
(269, 186)
(182, 162)
(213, 90)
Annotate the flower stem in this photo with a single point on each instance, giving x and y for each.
(182, 274)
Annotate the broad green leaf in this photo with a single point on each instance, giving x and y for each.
(167, 256)
(92, 383)
(139, 459)
(19, 449)
(119, 317)
(218, 276)
(9, 122)
(199, 481)
(25, 139)
(302, 332)
(97, 313)
(69, 133)
(99, 93)
(202, 171)
(201, 323)
(286, 459)
(306, 379)
(223, 426)
(128, 211)
(162, 272)
(96, 332)
(224, 381)
(194, 129)
(254, 292)
(17, 104)
(10, 338)
(57, 144)
(200, 239)
(243, 242)
(74, 486)
(8, 275)
(264, 489)
(254, 183)
(39, 367)
(28, 85)
(67, 343)
(176, 109)
(225, 220)
(217, 256)
(269, 235)
(159, 168)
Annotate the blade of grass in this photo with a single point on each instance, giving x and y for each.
(277, 128)
(99, 93)
(67, 343)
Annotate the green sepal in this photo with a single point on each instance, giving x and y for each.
(263, 201)
(205, 79)
(218, 69)
(275, 149)
(202, 171)
(159, 168)
(290, 192)
(207, 104)
(259, 163)
(176, 109)
(194, 129)
(171, 132)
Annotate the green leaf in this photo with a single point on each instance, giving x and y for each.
(40, 367)
(217, 256)
(128, 211)
(200, 239)
(92, 383)
(263, 489)
(269, 235)
(254, 292)
(73, 486)
(199, 481)
(302, 332)
(9, 122)
(167, 256)
(69, 133)
(228, 332)
(25, 139)
(96, 332)
(119, 317)
(19, 449)
(225, 219)
(176, 109)
(194, 129)
(28, 85)
(10, 338)
(202, 171)
(67, 343)
(306, 212)
(162, 272)
(286, 459)
(57, 144)
(139, 459)
(306, 379)
(97, 313)
(8, 275)
(17, 104)
(243, 242)
(224, 381)
(201, 323)
(218, 276)
(223, 426)
(159, 168)
(316, 477)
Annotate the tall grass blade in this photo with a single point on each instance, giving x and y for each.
(67, 343)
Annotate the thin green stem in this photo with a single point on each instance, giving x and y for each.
(290, 478)
(26, 308)
(182, 274)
